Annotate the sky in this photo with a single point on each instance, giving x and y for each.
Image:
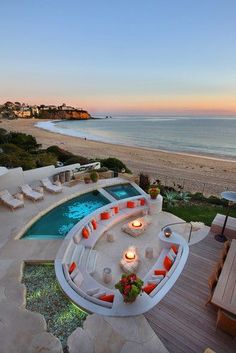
(120, 57)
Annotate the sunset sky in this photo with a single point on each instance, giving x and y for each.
(117, 57)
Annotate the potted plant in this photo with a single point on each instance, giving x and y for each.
(154, 191)
(130, 286)
(87, 179)
(94, 176)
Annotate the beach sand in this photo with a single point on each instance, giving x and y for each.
(196, 173)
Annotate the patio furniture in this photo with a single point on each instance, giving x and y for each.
(107, 275)
(30, 193)
(230, 196)
(224, 294)
(49, 186)
(226, 322)
(10, 200)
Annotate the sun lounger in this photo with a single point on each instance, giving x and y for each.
(49, 186)
(10, 200)
(30, 193)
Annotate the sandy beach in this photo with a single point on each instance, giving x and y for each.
(196, 173)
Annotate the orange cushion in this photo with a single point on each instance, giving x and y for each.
(174, 248)
(72, 267)
(105, 215)
(167, 263)
(149, 288)
(130, 204)
(94, 224)
(107, 298)
(116, 209)
(160, 272)
(85, 233)
(142, 202)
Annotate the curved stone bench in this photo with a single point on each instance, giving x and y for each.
(86, 294)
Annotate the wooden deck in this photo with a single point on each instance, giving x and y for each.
(181, 320)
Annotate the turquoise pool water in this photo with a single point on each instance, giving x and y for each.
(57, 222)
(122, 191)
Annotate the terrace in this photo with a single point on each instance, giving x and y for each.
(180, 320)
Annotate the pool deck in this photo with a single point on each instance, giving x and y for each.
(181, 320)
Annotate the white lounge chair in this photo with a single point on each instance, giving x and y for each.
(10, 200)
(49, 186)
(30, 193)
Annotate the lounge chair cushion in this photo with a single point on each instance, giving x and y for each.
(85, 233)
(174, 248)
(167, 263)
(149, 288)
(105, 215)
(94, 224)
(72, 267)
(107, 298)
(131, 204)
(160, 272)
(116, 209)
(142, 202)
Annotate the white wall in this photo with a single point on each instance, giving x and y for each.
(16, 177)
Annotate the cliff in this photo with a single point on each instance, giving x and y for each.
(64, 114)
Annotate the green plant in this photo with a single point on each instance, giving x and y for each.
(198, 196)
(130, 286)
(170, 198)
(154, 191)
(77, 159)
(94, 176)
(114, 164)
(184, 196)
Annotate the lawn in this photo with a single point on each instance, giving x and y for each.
(45, 297)
(198, 212)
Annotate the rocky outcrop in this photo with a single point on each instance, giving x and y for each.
(65, 114)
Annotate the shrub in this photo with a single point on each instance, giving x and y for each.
(184, 196)
(26, 142)
(170, 198)
(198, 196)
(94, 176)
(4, 136)
(216, 201)
(114, 164)
(45, 158)
(62, 155)
(77, 159)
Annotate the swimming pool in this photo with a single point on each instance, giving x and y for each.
(122, 191)
(57, 222)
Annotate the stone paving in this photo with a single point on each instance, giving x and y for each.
(22, 331)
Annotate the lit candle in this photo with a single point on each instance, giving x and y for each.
(136, 224)
(130, 255)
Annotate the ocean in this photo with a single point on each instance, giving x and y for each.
(212, 136)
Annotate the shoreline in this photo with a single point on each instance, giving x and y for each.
(181, 153)
(196, 173)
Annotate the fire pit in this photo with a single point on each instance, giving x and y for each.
(129, 261)
(135, 227)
